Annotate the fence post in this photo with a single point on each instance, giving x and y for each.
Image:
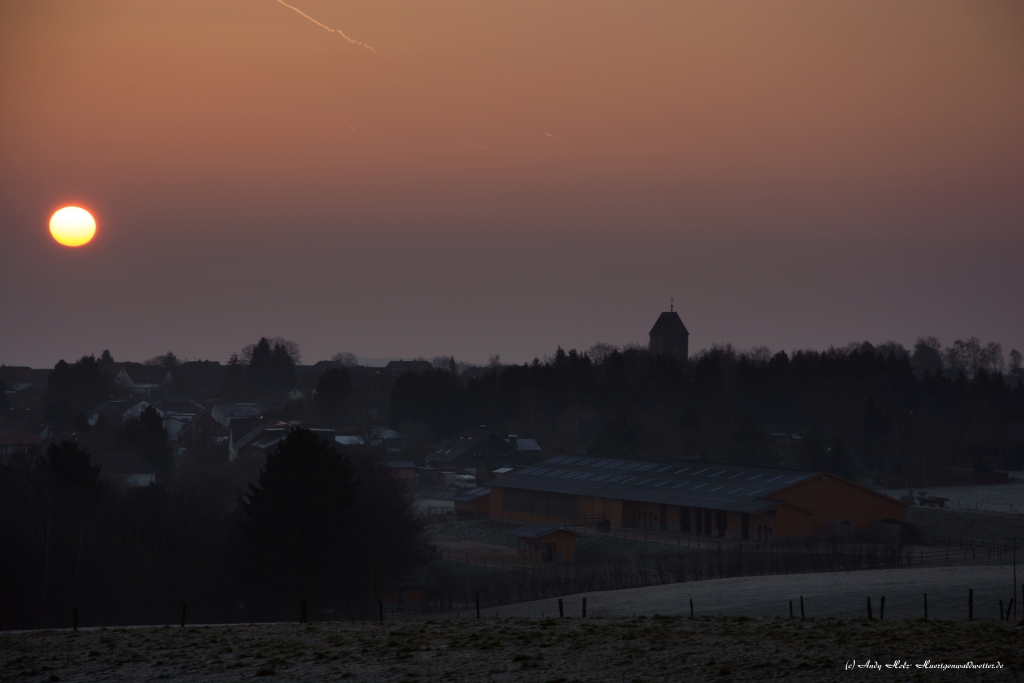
(970, 604)
(926, 607)
(691, 608)
(561, 612)
(869, 608)
(183, 616)
(1001, 611)
(881, 610)
(801, 607)
(584, 608)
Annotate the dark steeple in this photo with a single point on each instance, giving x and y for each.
(669, 335)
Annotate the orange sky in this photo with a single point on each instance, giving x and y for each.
(503, 177)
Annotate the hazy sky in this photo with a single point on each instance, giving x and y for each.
(503, 177)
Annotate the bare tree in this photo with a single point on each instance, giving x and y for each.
(167, 361)
(494, 362)
(992, 358)
(346, 358)
(759, 355)
(600, 351)
(1016, 362)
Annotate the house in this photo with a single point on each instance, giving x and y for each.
(408, 594)
(477, 452)
(528, 447)
(399, 367)
(711, 499)
(140, 378)
(19, 447)
(202, 427)
(545, 543)
(264, 438)
(402, 469)
(669, 336)
(124, 468)
(474, 503)
(16, 378)
(224, 413)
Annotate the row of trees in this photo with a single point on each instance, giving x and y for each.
(859, 410)
(316, 526)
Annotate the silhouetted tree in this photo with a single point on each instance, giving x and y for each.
(83, 385)
(146, 437)
(168, 361)
(299, 521)
(271, 367)
(332, 389)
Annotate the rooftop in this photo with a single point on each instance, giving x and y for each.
(697, 484)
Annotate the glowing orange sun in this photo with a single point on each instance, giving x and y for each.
(72, 226)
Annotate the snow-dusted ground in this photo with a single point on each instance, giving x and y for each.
(994, 498)
(840, 594)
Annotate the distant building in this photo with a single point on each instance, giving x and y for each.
(140, 378)
(400, 367)
(669, 336)
(710, 499)
(545, 543)
(19, 446)
(477, 452)
(474, 503)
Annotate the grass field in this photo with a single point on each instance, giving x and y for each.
(508, 649)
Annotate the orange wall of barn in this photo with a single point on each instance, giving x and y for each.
(833, 498)
(790, 521)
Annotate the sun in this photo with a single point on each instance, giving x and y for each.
(72, 226)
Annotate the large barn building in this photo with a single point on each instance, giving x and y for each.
(734, 501)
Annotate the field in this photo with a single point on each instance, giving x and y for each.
(827, 594)
(510, 649)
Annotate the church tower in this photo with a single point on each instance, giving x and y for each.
(669, 335)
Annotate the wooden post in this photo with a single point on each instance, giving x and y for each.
(926, 607)
(801, 607)
(881, 609)
(183, 616)
(691, 608)
(584, 608)
(380, 603)
(869, 608)
(970, 604)
(477, 605)
(74, 618)
(561, 612)
(1001, 611)
(790, 609)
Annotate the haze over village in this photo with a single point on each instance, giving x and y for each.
(462, 341)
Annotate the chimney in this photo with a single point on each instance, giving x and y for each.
(512, 440)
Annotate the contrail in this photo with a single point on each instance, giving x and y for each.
(551, 136)
(473, 145)
(328, 28)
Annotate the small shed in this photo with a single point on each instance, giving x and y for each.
(546, 543)
(475, 503)
(407, 594)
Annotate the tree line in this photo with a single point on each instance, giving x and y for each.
(315, 526)
(860, 410)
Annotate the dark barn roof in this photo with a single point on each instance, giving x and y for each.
(538, 530)
(472, 494)
(697, 484)
(669, 322)
(472, 447)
